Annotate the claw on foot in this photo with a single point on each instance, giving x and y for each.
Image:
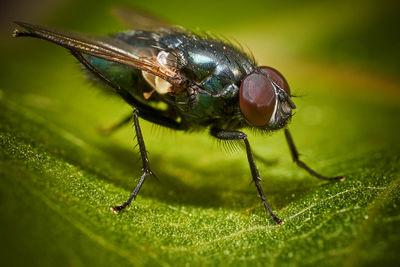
(116, 209)
(337, 179)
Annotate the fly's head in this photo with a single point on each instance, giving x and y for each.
(264, 99)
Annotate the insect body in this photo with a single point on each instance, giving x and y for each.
(204, 84)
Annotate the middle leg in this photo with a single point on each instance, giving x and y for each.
(236, 135)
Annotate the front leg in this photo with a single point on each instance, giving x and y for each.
(145, 161)
(236, 135)
(301, 164)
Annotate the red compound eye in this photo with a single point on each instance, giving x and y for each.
(277, 77)
(257, 99)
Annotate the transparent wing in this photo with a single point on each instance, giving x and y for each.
(151, 59)
(138, 19)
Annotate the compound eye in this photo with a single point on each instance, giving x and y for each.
(277, 77)
(257, 99)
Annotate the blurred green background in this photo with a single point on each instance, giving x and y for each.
(59, 176)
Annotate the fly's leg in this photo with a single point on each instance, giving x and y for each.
(145, 161)
(160, 117)
(144, 111)
(301, 164)
(236, 135)
(107, 130)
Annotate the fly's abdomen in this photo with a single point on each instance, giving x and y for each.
(126, 77)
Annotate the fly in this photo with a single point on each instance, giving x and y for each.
(205, 83)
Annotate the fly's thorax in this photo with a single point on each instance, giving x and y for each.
(209, 62)
(214, 71)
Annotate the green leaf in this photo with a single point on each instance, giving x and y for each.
(59, 176)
